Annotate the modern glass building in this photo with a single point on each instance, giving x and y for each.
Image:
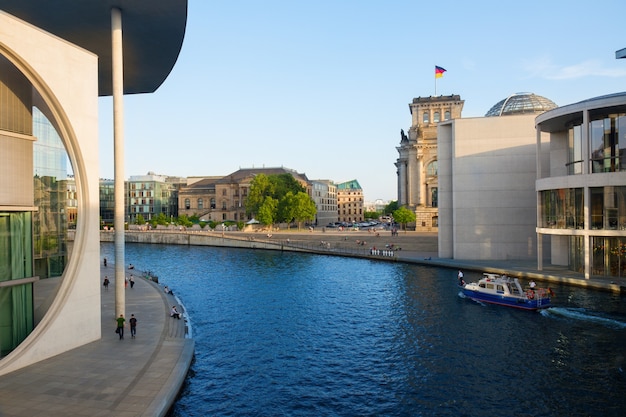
(581, 192)
(51, 185)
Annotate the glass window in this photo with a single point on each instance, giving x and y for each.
(596, 144)
(425, 117)
(436, 117)
(575, 156)
(187, 204)
(446, 115)
(597, 207)
(200, 204)
(620, 136)
(431, 169)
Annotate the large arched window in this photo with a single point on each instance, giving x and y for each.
(426, 117)
(431, 169)
(187, 204)
(200, 204)
(446, 115)
(436, 117)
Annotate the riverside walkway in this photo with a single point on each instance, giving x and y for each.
(110, 377)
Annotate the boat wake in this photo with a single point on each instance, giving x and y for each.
(584, 315)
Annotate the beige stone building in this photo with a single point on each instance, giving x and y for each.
(350, 202)
(222, 198)
(417, 165)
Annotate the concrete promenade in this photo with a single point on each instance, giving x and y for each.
(110, 377)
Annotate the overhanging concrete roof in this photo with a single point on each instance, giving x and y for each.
(153, 32)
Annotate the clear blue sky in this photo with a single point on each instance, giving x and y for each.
(323, 87)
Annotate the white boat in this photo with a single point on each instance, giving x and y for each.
(507, 291)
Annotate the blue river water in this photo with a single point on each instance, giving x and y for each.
(288, 334)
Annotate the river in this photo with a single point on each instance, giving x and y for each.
(292, 334)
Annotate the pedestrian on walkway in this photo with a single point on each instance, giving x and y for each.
(105, 262)
(132, 281)
(133, 326)
(105, 283)
(120, 326)
(125, 282)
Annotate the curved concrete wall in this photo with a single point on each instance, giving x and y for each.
(65, 87)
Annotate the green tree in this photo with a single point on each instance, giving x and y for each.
(183, 220)
(391, 207)
(266, 214)
(304, 208)
(371, 215)
(159, 219)
(275, 186)
(403, 216)
(140, 220)
(260, 188)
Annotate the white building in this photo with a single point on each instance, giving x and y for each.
(487, 172)
(581, 186)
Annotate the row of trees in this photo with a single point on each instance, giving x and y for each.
(279, 198)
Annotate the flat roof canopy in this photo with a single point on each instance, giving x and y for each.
(153, 32)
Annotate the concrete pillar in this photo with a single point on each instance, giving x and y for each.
(118, 144)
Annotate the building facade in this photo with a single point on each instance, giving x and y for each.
(55, 58)
(487, 172)
(417, 165)
(35, 67)
(324, 195)
(150, 195)
(222, 199)
(350, 202)
(581, 188)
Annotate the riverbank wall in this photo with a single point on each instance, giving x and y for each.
(409, 247)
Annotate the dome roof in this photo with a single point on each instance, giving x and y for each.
(521, 103)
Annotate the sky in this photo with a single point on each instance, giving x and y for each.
(323, 87)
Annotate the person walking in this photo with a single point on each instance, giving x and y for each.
(132, 281)
(133, 325)
(120, 326)
(105, 283)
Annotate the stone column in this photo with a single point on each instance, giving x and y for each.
(118, 144)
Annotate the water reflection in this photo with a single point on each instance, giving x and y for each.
(298, 334)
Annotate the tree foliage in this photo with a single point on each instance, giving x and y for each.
(140, 220)
(391, 207)
(267, 212)
(403, 216)
(279, 198)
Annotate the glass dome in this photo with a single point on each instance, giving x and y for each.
(521, 103)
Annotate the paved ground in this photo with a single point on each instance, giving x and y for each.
(109, 377)
(143, 376)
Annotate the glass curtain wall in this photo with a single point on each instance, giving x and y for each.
(562, 209)
(607, 141)
(16, 262)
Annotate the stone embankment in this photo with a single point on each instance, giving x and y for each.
(350, 243)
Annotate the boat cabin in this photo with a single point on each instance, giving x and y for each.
(500, 284)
